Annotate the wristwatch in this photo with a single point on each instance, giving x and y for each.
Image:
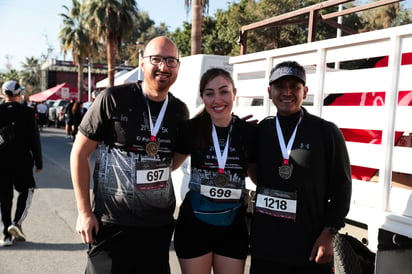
(332, 230)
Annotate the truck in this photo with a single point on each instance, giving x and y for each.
(372, 105)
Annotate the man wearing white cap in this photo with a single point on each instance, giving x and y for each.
(20, 149)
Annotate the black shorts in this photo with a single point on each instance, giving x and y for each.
(194, 238)
(130, 250)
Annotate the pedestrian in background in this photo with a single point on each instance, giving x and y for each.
(42, 110)
(76, 116)
(134, 126)
(20, 150)
(211, 230)
(68, 118)
(303, 182)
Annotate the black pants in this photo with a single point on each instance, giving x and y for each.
(130, 250)
(259, 266)
(6, 202)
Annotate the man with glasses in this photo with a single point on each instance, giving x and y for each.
(134, 128)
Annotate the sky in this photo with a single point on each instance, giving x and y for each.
(29, 27)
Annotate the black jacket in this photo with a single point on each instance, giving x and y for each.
(321, 180)
(26, 149)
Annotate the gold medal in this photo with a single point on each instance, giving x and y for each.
(152, 148)
(285, 171)
(220, 180)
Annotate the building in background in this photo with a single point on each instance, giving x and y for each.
(54, 72)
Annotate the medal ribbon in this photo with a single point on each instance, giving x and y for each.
(159, 120)
(221, 157)
(286, 150)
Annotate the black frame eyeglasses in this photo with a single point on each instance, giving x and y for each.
(156, 60)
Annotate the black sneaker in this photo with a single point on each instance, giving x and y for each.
(17, 232)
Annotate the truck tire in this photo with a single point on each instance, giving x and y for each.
(345, 259)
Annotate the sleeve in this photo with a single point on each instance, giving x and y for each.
(96, 121)
(340, 180)
(35, 144)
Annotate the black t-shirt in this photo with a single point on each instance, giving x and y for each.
(131, 187)
(204, 164)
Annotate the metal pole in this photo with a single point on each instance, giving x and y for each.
(139, 75)
(339, 32)
(89, 84)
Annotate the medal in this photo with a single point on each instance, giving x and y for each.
(152, 148)
(285, 171)
(220, 180)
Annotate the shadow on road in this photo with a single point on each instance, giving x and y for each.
(24, 246)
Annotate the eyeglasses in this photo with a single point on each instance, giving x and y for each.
(156, 60)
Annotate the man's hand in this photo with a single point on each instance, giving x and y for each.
(247, 117)
(87, 226)
(322, 251)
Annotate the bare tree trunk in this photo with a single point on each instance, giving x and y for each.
(196, 35)
(80, 81)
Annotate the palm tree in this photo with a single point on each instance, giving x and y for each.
(75, 37)
(112, 21)
(198, 8)
(30, 74)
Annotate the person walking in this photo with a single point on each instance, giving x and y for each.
(68, 118)
(42, 110)
(20, 150)
(211, 230)
(76, 116)
(303, 182)
(134, 126)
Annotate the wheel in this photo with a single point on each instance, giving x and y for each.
(345, 259)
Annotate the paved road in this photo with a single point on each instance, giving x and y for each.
(52, 245)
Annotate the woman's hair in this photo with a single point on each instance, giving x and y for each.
(204, 134)
(211, 74)
(76, 107)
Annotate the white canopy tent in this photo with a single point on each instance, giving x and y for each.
(132, 76)
(103, 83)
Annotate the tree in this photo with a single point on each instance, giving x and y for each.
(198, 8)
(30, 74)
(74, 36)
(182, 39)
(144, 31)
(111, 21)
(224, 36)
(12, 74)
(230, 22)
(385, 17)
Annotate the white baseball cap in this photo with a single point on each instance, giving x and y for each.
(12, 88)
